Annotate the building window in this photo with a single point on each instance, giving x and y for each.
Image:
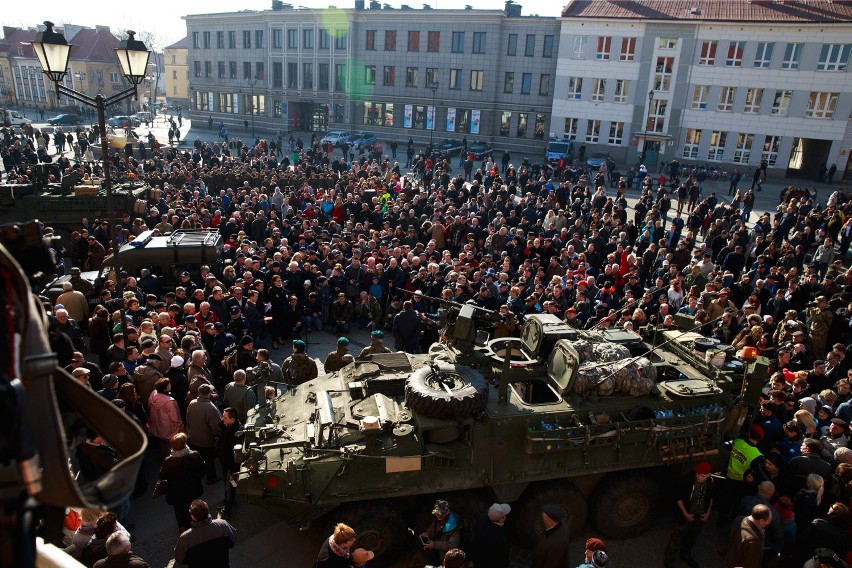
(226, 102)
(369, 74)
(529, 48)
(667, 43)
(174, 73)
(232, 69)
(792, 56)
(505, 122)
(770, 149)
(195, 43)
(455, 78)
(544, 85)
(458, 42)
(431, 76)
(220, 40)
(411, 76)
(717, 145)
(390, 40)
(570, 128)
(781, 103)
(389, 75)
(763, 57)
(604, 46)
(478, 42)
(578, 49)
(202, 101)
(526, 83)
(699, 96)
(575, 88)
(340, 38)
(323, 76)
(276, 108)
(339, 76)
(463, 119)
(246, 39)
(292, 75)
(307, 39)
(598, 90)
(663, 74)
(622, 90)
(708, 53)
(512, 49)
(821, 105)
(246, 70)
(547, 50)
(509, 82)
(259, 71)
(726, 99)
(477, 78)
(308, 75)
(324, 41)
(413, 41)
(292, 39)
(521, 132)
(616, 133)
(735, 54)
(232, 39)
(691, 142)
(258, 39)
(656, 115)
(206, 40)
(742, 151)
(371, 40)
(433, 42)
(628, 49)
(277, 74)
(834, 57)
(593, 131)
(754, 97)
(276, 39)
(220, 69)
(419, 117)
(540, 122)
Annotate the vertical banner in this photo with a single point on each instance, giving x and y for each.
(406, 119)
(236, 99)
(430, 118)
(284, 109)
(474, 122)
(451, 119)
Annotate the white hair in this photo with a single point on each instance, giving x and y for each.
(118, 543)
(67, 286)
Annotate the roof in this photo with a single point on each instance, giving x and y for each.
(740, 11)
(89, 44)
(180, 44)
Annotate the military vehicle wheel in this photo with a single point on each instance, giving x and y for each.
(379, 528)
(444, 390)
(624, 507)
(527, 524)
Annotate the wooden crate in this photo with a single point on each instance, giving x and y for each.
(86, 190)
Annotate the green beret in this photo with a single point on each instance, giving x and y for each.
(299, 344)
(342, 342)
(378, 334)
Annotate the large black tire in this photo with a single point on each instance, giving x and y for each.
(379, 528)
(624, 506)
(525, 518)
(444, 390)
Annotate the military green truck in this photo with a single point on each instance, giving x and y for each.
(594, 421)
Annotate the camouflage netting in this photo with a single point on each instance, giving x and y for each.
(606, 368)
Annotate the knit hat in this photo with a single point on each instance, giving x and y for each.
(595, 544)
(553, 511)
(843, 455)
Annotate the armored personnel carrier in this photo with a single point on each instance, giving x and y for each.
(593, 421)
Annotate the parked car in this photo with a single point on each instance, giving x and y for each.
(143, 116)
(65, 119)
(335, 138)
(364, 141)
(480, 149)
(124, 122)
(597, 159)
(449, 147)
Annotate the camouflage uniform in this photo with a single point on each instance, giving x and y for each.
(373, 348)
(337, 359)
(820, 323)
(298, 368)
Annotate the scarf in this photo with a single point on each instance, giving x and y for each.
(338, 550)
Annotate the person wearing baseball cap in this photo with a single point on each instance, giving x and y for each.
(491, 545)
(693, 504)
(444, 532)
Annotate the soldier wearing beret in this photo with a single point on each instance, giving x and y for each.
(377, 339)
(298, 368)
(338, 358)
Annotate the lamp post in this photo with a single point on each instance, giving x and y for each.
(434, 87)
(647, 118)
(252, 83)
(53, 53)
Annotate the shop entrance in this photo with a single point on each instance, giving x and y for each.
(807, 157)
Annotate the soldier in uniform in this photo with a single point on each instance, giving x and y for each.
(298, 368)
(338, 358)
(79, 284)
(377, 339)
(819, 324)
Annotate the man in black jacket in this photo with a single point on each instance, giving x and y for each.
(491, 547)
(208, 542)
(693, 504)
(406, 329)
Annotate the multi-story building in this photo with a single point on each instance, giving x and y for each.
(718, 81)
(375, 69)
(93, 67)
(176, 72)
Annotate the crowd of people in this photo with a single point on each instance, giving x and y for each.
(315, 242)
